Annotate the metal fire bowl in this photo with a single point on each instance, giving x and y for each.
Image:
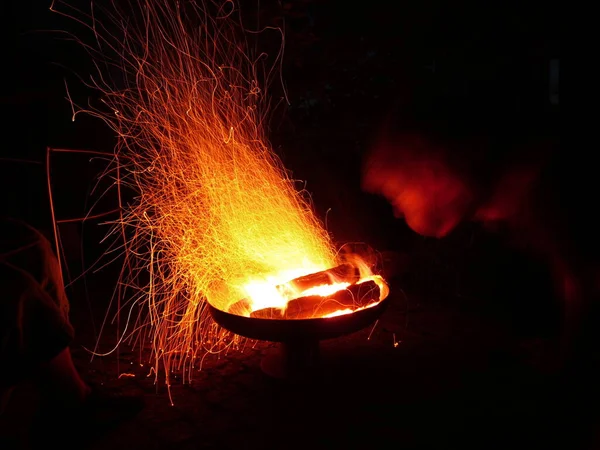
(289, 330)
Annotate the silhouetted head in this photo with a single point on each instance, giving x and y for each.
(438, 175)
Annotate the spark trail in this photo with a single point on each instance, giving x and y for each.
(216, 216)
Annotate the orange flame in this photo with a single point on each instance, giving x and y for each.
(217, 217)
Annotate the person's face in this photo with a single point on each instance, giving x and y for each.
(420, 186)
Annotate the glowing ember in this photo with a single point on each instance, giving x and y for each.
(325, 289)
(216, 217)
(272, 301)
(343, 312)
(321, 301)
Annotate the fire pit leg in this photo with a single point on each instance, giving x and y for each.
(292, 360)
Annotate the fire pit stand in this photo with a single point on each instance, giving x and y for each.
(297, 354)
(292, 359)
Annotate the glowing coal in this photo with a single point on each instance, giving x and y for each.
(329, 293)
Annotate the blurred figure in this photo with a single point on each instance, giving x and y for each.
(35, 331)
(439, 175)
(35, 334)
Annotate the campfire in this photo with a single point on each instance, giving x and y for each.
(218, 240)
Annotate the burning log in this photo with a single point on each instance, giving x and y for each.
(342, 273)
(314, 306)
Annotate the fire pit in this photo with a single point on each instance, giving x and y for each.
(333, 303)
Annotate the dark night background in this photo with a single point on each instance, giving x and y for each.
(345, 67)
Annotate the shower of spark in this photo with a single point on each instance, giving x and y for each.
(217, 218)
